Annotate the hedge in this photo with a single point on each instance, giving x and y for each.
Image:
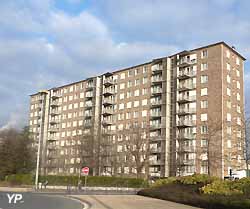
(104, 181)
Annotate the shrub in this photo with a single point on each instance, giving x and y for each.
(20, 179)
(197, 179)
(165, 181)
(221, 188)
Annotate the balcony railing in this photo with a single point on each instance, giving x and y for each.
(108, 82)
(186, 149)
(53, 129)
(55, 103)
(156, 79)
(156, 102)
(51, 146)
(185, 111)
(185, 98)
(184, 74)
(156, 69)
(156, 150)
(88, 114)
(155, 114)
(107, 102)
(54, 121)
(107, 122)
(186, 136)
(156, 162)
(156, 91)
(53, 138)
(88, 104)
(183, 123)
(186, 61)
(55, 112)
(186, 87)
(108, 91)
(155, 126)
(188, 161)
(56, 95)
(89, 94)
(108, 111)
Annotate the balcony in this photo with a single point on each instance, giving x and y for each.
(51, 146)
(156, 69)
(55, 112)
(108, 92)
(88, 114)
(186, 149)
(53, 129)
(55, 95)
(155, 114)
(156, 102)
(88, 124)
(39, 115)
(89, 94)
(185, 99)
(156, 162)
(186, 136)
(188, 161)
(107, 122)
(156, 80)
(88, 105)
(89, 85)
(108, 82)
(54, 121)
(186, 111)
(184, 74)
(156, 91)
(155, 126)
(39, 107)
(108, 102)
(184, 61)
(107, 112)
(108, 132)
(156, 150)
(186, 87)
(53, 138)
(55, 103)
(186, 123)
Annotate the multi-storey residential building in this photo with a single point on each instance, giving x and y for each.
(187, 107)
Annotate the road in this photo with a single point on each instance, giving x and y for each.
(129, 202)
(36, 201)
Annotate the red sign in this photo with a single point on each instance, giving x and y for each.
(85, 170)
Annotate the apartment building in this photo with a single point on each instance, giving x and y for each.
(187, 109)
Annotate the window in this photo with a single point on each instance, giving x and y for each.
(237, 61)
(130, 73)
(228, 79)
(122, 85)
(228, 92)
(238, 96)
(229, 144)
(204, 117)
(238, 73)
(238, 85)
(136, 103)
(204, 129)
(228, 54)
(128, 115)
(82, 95)
(144, 91)
(238, 121)
(129, 94)
(204, 104)
(121, 106)
(122, 76)
(70, 98)
(71, 89)
(204, 66)
(145, 69)
(130, 84)
(229, 104)
(144, 102)
(129, 104)
(144, 80)
(229, 117)
(137, 82)
(136, 114)
(76, 105)
(121, 96)
(238, 109)
(137, 93)
(204, 143)
(137, 71)
(204, 79)
(228, 66)
(229, 130)
(70, 107)
(204, 53)
(81, 104)
(144, 113)
(203, 91)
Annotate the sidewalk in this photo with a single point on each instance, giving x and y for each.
(15, 189)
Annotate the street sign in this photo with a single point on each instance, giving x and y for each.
(85, 170)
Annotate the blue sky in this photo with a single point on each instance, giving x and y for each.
(45, 43)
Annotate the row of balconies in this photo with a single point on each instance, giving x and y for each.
(184, 74)
(186, 99)
(185, 111)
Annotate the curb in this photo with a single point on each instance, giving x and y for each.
(86, 204)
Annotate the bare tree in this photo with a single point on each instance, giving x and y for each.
(136, 144)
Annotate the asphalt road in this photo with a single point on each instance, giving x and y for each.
(10, 200)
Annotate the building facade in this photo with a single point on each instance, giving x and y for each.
(175, 115)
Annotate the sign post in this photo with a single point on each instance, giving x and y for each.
(85, 172)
